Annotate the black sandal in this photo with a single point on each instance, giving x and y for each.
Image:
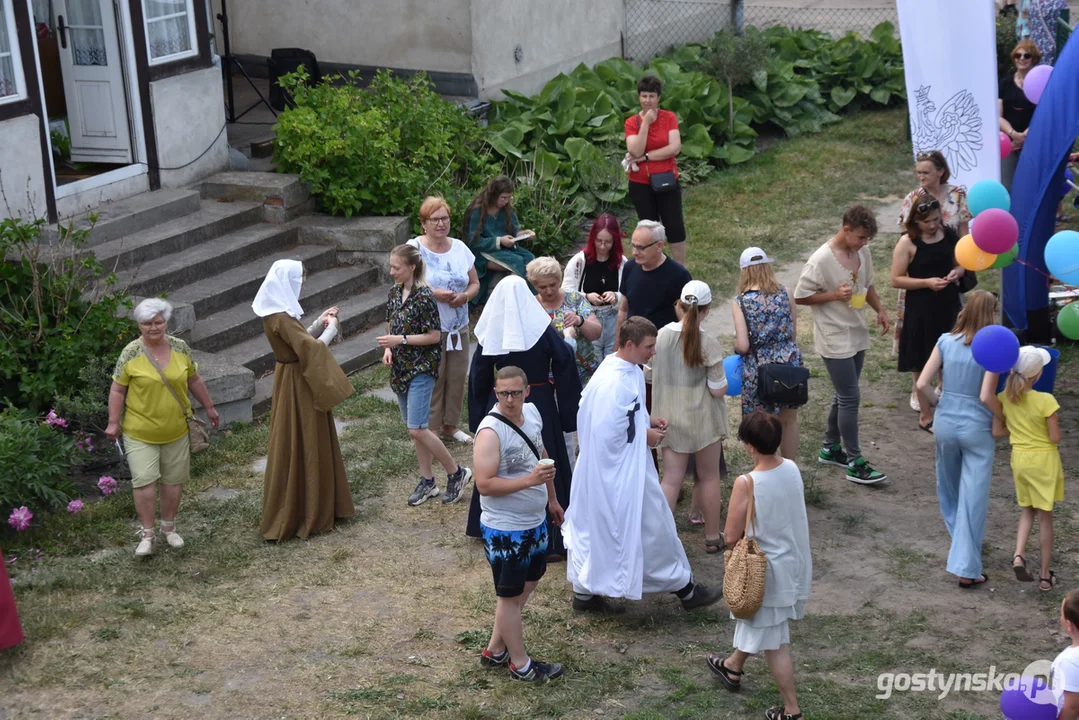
(1021, 572)
(1052, 580)
(774, 713)
(730, 678)
(975, 583)
(927, 427)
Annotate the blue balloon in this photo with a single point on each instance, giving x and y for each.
(1028, 698)
(1062, 256)
(732, 368)
(986, 194)
(995, 348)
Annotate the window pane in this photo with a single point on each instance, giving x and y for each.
(87, 34)
(7, 67)
(167, 27)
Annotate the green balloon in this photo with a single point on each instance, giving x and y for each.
(1068, 321)
(1005, 259)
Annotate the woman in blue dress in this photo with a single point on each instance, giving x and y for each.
(491, 230)
(964, 438)
(514, 329)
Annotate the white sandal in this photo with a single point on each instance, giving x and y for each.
(146, 544)
(461, 436)
(171, 536)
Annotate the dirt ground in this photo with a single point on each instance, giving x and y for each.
(384, 617)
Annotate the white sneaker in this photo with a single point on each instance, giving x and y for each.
(171, 536)
(146, 544)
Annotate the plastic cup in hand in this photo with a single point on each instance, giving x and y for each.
(546, 463)
(857, 300)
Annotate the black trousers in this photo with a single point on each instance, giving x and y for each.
(662, 207)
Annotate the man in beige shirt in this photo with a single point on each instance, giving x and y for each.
(837, 284)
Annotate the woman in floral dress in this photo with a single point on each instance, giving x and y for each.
(572, 316)
(765, 332)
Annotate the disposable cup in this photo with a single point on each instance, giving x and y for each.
(857, 301)
(546, 462)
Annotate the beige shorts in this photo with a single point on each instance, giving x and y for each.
(170, 463)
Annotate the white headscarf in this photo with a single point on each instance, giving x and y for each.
(280, 291)
(512, 320)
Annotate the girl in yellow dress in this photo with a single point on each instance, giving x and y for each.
(1030, 417)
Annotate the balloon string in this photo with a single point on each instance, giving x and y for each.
(1048, 278)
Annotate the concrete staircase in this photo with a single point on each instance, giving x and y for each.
(207, 250)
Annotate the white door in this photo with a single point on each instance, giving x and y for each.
(93, 81)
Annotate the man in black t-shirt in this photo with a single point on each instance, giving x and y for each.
(651, 281)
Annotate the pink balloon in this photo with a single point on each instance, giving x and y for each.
(1005, 145)
(995, 232)
(1035, 83)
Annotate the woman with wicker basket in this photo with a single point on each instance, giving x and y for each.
(770, 502)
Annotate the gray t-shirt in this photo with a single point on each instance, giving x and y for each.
(524, 509)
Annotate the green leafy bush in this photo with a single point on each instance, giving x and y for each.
(1006, 42)
(377, 150)
(85, 405)
(60, 310)
(545, 205)
(35, 460)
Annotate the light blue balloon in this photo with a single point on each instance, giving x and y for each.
(1062, 256)
(732, 368)
(987, 194)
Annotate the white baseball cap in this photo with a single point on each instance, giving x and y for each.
(753, 256)
(696, 292)
(1031, 360)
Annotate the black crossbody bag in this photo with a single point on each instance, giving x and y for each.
(662, 182)
(519, 431)
(778, 383)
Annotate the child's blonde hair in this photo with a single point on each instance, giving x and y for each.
(1017, 385)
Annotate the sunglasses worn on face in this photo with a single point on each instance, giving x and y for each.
(1024, 56)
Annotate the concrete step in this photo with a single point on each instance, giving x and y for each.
(321, 289)
(211, 220)
(353, 354)
(358, 314)
(130, 216)
(219, 292)
(202, 260)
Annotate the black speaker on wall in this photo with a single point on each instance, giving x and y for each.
(287, 60)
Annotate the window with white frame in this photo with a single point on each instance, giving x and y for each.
(170, 30)
(12, 83)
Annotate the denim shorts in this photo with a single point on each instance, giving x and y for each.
(416, 403)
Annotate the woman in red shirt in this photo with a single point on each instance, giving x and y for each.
(652, 144)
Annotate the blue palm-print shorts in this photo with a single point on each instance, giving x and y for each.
(516, 557)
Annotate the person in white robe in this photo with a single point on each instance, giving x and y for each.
(619, 529)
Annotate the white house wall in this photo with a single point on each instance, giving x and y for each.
(188, 118)
(21, 173)
(554, 36)
(404, 34)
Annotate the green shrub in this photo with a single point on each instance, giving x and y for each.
(35, 460)
(59, 311)
(545, 205)
(1006, 42)
(377, 150)
(85, 406)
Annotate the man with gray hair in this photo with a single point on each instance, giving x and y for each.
(651, 281)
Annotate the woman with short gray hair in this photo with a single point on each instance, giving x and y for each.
(155, 418)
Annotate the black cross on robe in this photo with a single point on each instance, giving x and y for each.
(631, 431)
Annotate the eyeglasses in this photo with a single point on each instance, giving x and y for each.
(503, 394)
(642, 248)
(1023, 56)
(928, 206)
(443, 220)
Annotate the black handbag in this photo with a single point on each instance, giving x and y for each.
(662, 182)
(779, 383)
(968, 282)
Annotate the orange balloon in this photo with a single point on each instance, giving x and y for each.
(970, 256)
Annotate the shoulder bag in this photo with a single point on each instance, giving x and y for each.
(661, 182)
(197, 435)
(519, 431)
(778, 383)
(745, 567)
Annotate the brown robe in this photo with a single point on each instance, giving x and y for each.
(305, 488)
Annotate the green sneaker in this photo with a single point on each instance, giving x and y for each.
(833, 455)
(861, 472)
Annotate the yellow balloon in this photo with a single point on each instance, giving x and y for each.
(970, 256)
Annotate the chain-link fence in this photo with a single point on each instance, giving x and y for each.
(655, 26)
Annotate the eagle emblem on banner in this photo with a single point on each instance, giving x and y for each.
(955, 130)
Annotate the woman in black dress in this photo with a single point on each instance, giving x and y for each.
(924, 265)
(514, 329)
(1014, 108)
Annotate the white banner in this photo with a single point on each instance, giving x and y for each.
(950, 64)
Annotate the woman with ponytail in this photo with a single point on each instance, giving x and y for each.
(688, 390)
(1030, 418)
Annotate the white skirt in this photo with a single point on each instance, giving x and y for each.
(767, 630)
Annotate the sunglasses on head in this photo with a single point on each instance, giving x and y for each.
(928, 206)
(1023, 56)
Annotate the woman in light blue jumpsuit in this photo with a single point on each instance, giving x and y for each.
(965, 446)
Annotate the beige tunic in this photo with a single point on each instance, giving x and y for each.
(839, 331)
(680, 394)
(305, 488)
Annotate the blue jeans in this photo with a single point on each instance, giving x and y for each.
(608, 319)
(416, 403)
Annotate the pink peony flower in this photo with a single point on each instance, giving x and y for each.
(54, 420)
(107, 485)
(20, 518)
(84, 442)
(74, 506)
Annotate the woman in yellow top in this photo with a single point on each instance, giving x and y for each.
(1030, 417)
(155, 424)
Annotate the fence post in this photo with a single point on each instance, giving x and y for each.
(737, 17)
